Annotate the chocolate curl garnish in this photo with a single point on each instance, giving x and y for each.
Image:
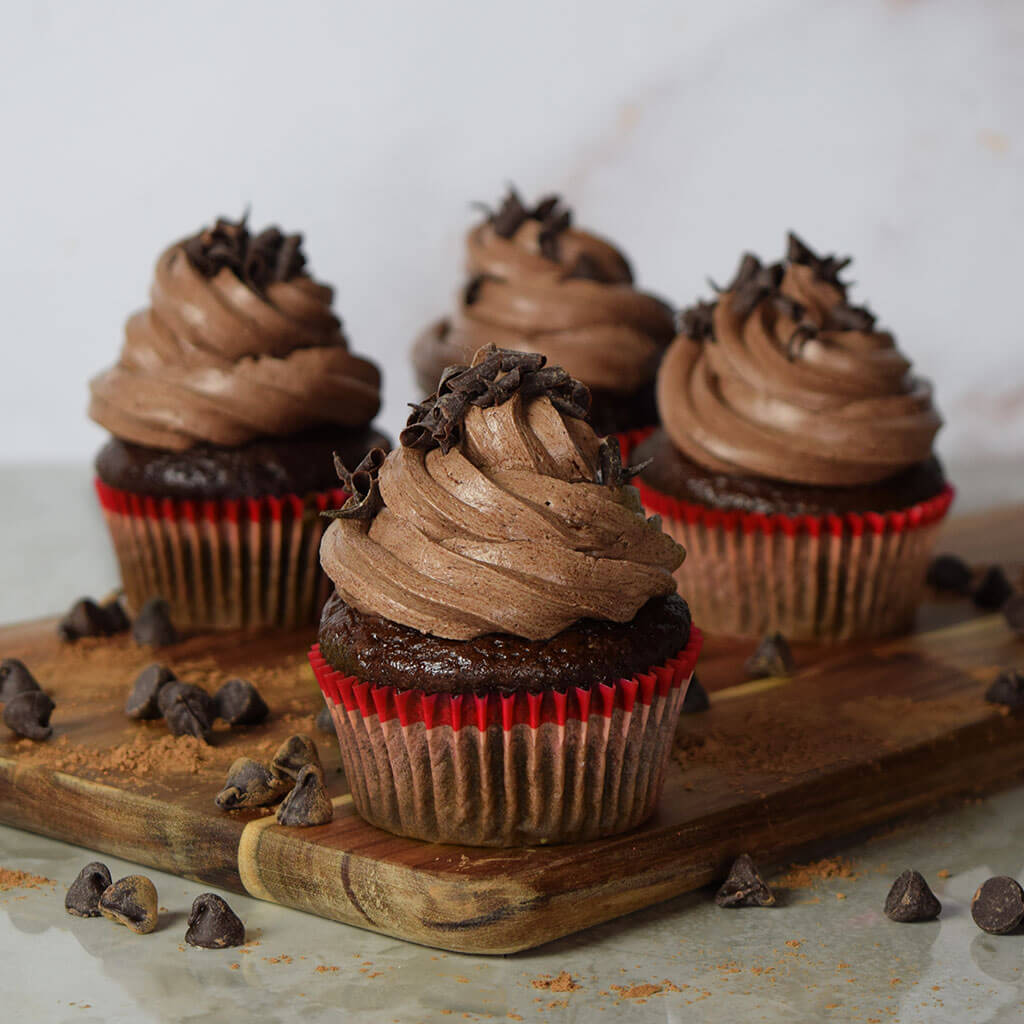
(697, 322)
(850, 318)
(364, 500)
(752, 283)
(513, 213)
(259, 261)
(610, 470)
(497, 376)
(826, 268)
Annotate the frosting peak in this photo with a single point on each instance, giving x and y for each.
(781, 377)
(505, 526)
(239, 342)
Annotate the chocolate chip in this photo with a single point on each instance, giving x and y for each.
(152, 626)
(744, 887)
(308, 803)
(28, 714)
(949, 573)
(998, 905)
(324, 722)
(239, 703)
(293, 755)
(131, 901)
(85, 618)
(188, 710)
(212, 924)
(696, 698)
(143, 700)
(993, 591)
(1013, 612)
(15, 678)
(772, 658)
(83, 898)
(1007, 689)
(910, 899)
(251, 784)
(117, 617)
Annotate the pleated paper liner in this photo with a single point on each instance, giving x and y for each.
(225, 564)
(519, 769)
(813, 578)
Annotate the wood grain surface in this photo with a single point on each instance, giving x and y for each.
(857, 737)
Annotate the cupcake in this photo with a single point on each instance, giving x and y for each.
(536, 284)
(795, 459)
(504, 656)
(232, 391)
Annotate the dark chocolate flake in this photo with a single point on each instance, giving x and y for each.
(143, 702)
(212, 924)
(239, 703)
(826, 268)
(153, 626)
(744, 887)
(131, 901)
(910, 899)
(1007, 689)
(308, 803)
(949, 573)
(188, 710)
(850, 318)
(696, 698)
(773, 657)
(998, 905)
(28, 714)
(83, 897)
(993, 591)
(15, 678)
(510, 215)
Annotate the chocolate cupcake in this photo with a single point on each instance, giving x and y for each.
(536, 284)
(505, 655)
(795, 461)
(231, 393)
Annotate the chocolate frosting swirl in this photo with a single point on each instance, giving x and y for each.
(782, 378)
(536, 284)
(505, 531)
(238, 343)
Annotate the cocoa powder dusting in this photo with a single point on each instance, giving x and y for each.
(561, 982)
(12, 878)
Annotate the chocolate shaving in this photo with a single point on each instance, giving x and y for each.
(258, 261)
(364, 500)
(472, 290)
(552, 216)
(510, 216)
(697, 321)
(752, 283)
(826, 268)
(849, 318)
(610, 470)
(587, 268)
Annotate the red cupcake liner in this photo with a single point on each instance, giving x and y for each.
(224, 564)
(518, 769)
(815, 578)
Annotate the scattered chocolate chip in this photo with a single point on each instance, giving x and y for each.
(772, 658)
(251, 784)
(117, 617)
(188, 710)
(212, 924)
(131, 901)
(15, 678)
(696, 698)
(239, 703)
(1013, 612)
(28, 714)
(993, 591)
(143, 700)
(324, 721)
(83, 898)
(910, 899)
(744, 887)
(308, 803)
(293, 755)
(85, 618)
(998, 905)
(949, 573)
(1007, 689)
(152, 626)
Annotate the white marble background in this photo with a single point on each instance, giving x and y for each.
(687, 131)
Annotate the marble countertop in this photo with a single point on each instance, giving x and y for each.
(827, 953)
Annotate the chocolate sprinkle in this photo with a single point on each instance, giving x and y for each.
(308, 803)
(993, 591)
(910, 899)
(15, 678)
(1007, 689)
(998, 905)
(142, 702)
(696, 699)
(258, 261)
(28, 714)
(83, 896)
(239, 703)
(773, 657)
(949, 573)
(212, 924)
(744, 887)
(188, 710)
(152, 626)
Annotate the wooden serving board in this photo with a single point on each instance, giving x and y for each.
(857, 737)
